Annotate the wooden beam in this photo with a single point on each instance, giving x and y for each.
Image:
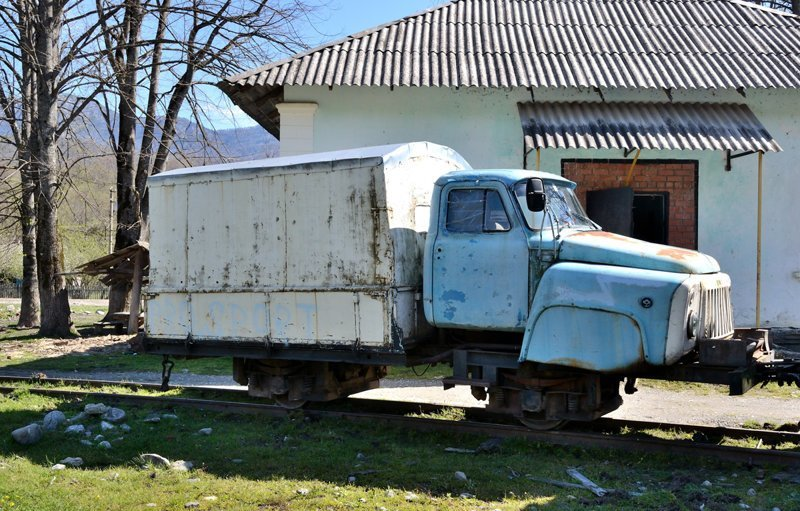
(136, 293)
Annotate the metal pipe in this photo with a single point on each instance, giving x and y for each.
(758, 239)
(633, 165)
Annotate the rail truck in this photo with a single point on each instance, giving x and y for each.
(316, 273)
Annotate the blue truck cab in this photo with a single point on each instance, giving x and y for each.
(580, 297)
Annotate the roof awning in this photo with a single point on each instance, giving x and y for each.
(685, 126)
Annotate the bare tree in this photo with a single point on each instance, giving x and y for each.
(185, 44)
(792, 6)
(57, 41)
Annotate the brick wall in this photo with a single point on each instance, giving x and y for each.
(679, 179)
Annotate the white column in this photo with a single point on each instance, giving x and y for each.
(297, 128)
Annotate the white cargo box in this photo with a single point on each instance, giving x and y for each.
(319, 249)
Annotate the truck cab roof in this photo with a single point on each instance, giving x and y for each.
(509, 177)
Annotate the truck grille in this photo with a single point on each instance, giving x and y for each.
(716, 313)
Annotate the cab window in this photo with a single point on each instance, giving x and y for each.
(475, 211)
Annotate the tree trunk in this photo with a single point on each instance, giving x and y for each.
(29, 310)
(128, 222)
(52, 285)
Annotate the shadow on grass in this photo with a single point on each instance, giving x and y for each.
(377, 457)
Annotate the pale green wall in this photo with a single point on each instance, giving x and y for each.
(483, 125)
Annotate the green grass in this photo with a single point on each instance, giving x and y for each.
(281, 458)
(771, 390)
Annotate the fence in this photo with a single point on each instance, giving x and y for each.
(76, 292)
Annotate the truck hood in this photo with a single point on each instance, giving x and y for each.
(602, 247)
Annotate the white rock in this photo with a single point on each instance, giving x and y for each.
(181, 465)
(105, 444)
(95, 409)
(28, 435)
(155, 459)
(362, 500)
(99, 438)
(53, 420)
(191, 505)
(76, 418)
(205, 431)
(707, 483)
(72, 462)
(302, 491)
(361, 457)
(461, 476)
(106, 426)
(152, 418)
(467, 496)
(237, 460)
(150, 504)
(86, 442)
(742, 505)
(411, 496)
(776, 509)
(390, 493)
(114, 415)
(210, 498)
(169, 416)
(751, 492)
(58, 466)
(125, 428)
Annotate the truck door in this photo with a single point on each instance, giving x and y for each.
(479, 261)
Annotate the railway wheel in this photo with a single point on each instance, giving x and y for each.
(542, 424)
(289, 404)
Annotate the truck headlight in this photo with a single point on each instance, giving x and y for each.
(691, 324)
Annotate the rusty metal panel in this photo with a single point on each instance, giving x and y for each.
(229, 315)
(167, 315)
(372, 315)
(168, 209)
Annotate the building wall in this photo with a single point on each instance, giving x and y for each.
(483, 125)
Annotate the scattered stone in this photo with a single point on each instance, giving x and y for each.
(171, 416)
(99, 438)
(95, 409)
(114, 415)
(191, 505)
(72, 462)
(491, 445)
(411, 496)
(742, 505)
(28, 435)
(237, 460)
(105, 444)
(390, 493)
(776, 509)
(150, 504)
(99, 312)
(106, 426)
(76, 418)
(125, 428)
(467, 496)
(302, 491)
(53, 420)
(458, 450)
(362, 500)
(361, 457)
(461, 476)
(155, 460)
(351, 479)
(86, 442)
(181, 466)
(193, 480)
(751, 492)
(58, 466)
(210, 498)
(205, 431)
(760, 473)
(707, 483)
(152, 418)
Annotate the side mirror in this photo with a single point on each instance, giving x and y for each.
(534, 195)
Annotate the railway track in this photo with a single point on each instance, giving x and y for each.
(603, 433)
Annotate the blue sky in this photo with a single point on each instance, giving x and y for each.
(341, 18)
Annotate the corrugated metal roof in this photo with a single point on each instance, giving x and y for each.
(680, 126)
(675, 44)
(559, 43)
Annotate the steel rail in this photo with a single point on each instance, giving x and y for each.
(585, 439)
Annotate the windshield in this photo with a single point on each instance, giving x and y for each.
(565, 209)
